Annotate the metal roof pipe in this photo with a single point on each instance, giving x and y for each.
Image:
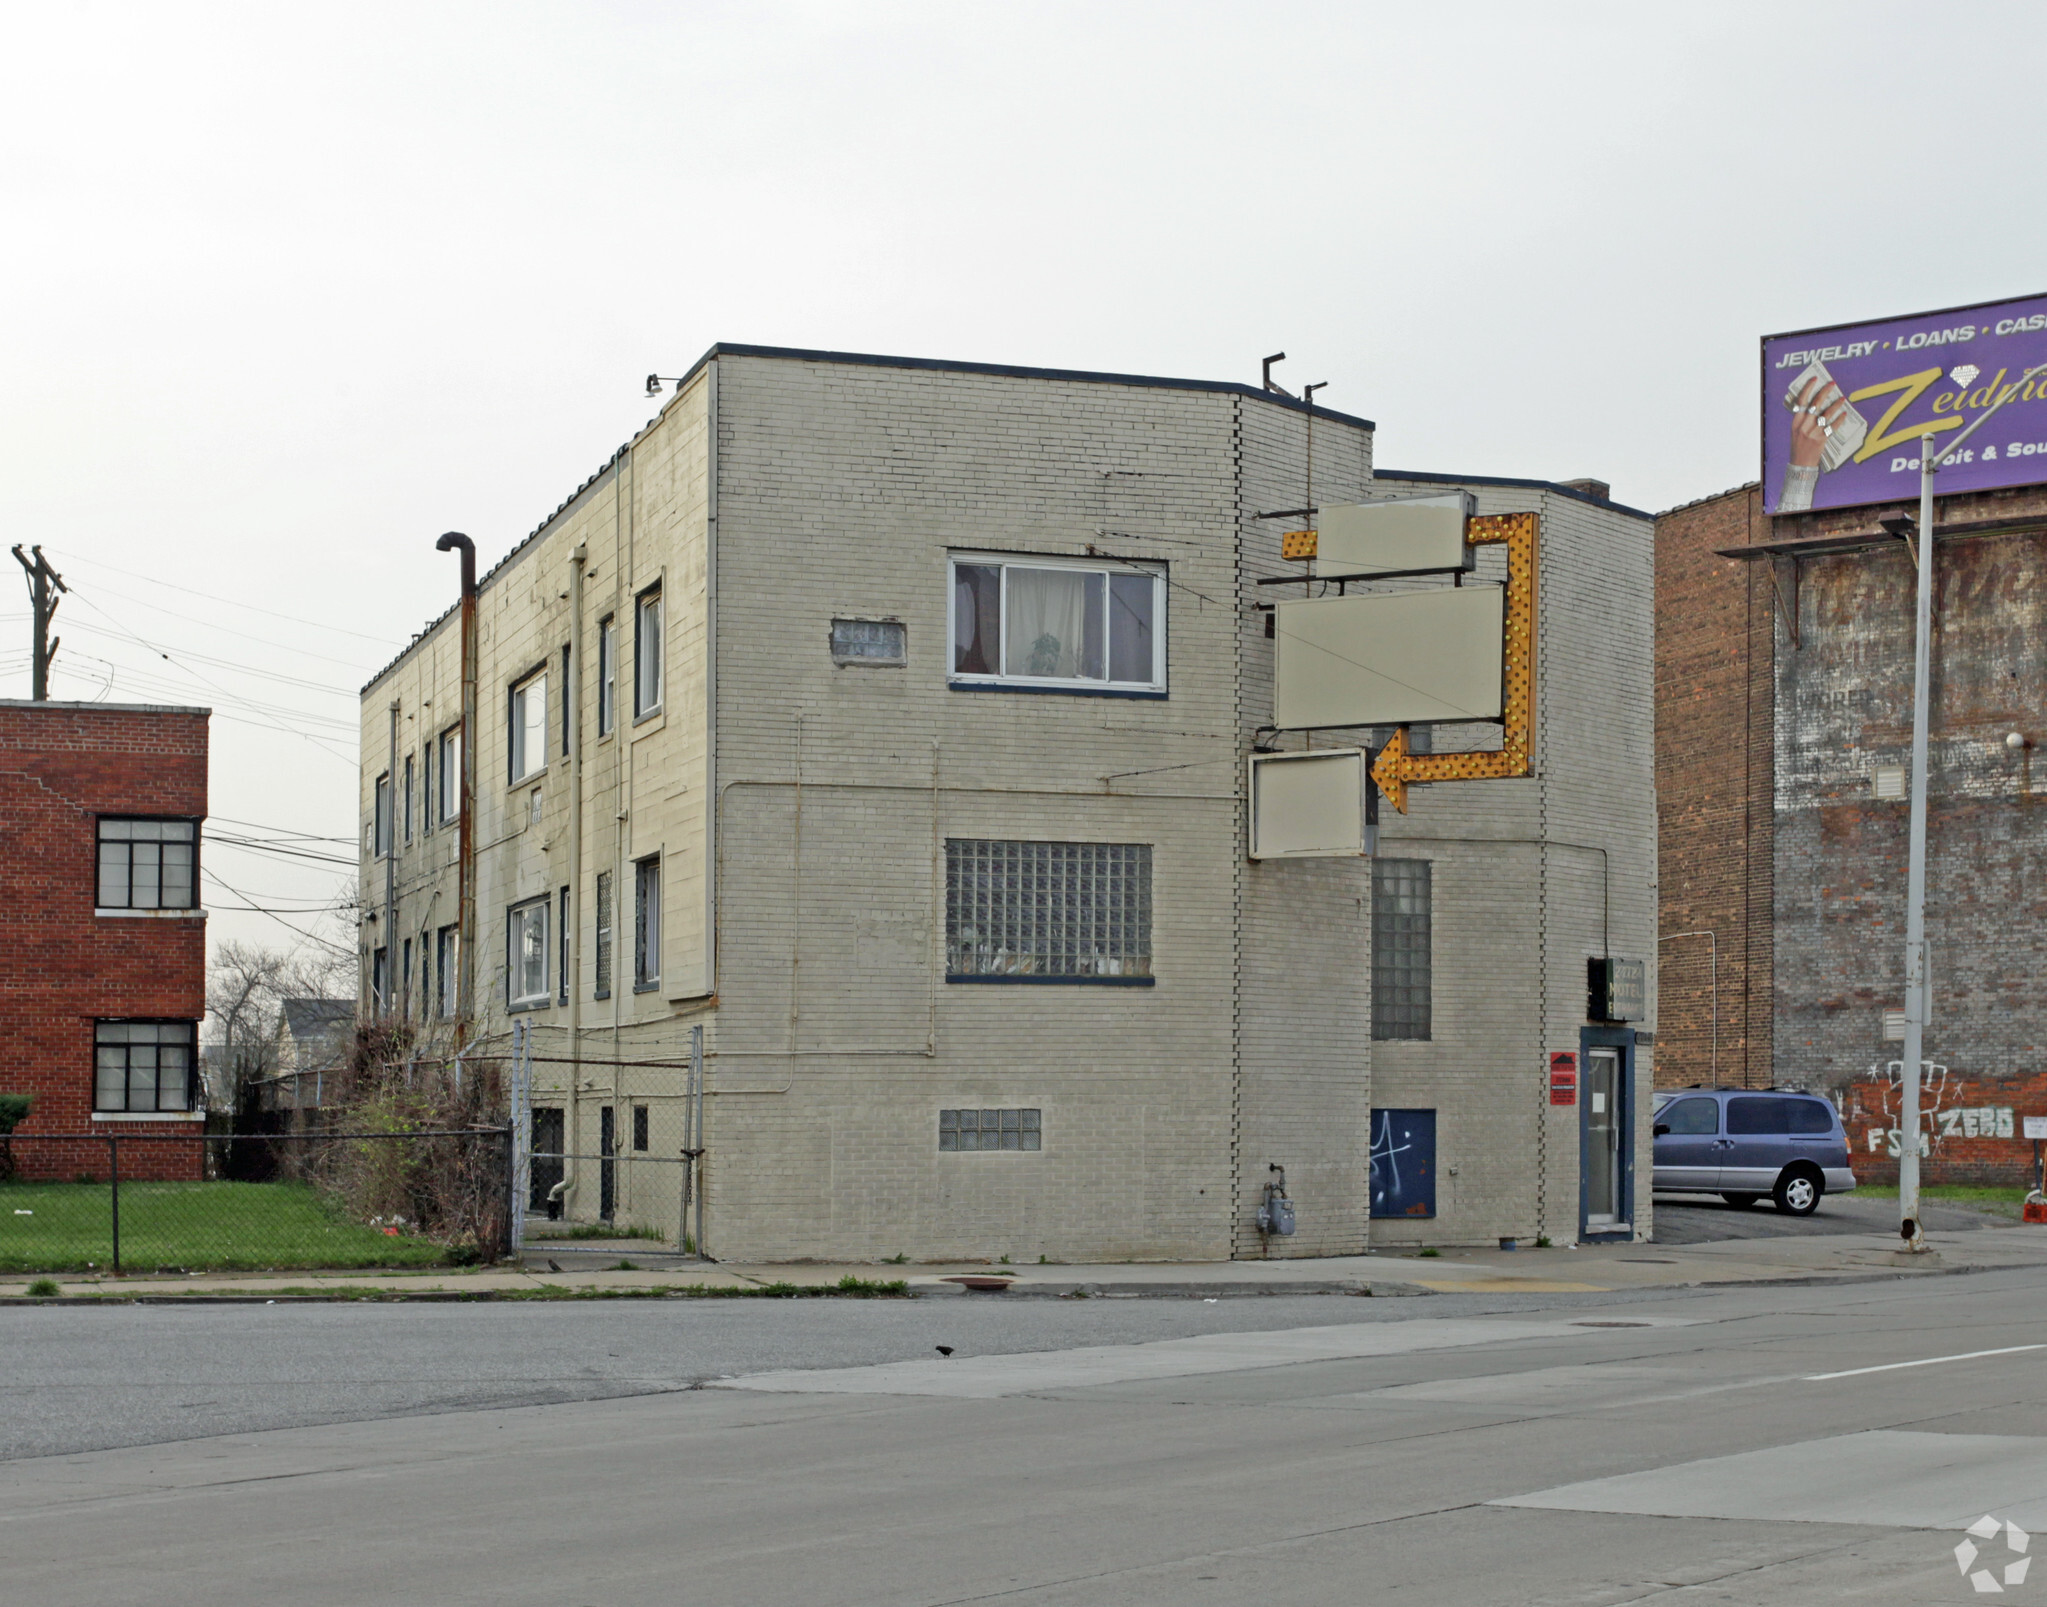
(465, 884)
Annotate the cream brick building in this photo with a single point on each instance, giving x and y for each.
(795, 773)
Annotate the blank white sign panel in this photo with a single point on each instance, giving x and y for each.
(1308, 806)
(1392, 537)
(1389, 658)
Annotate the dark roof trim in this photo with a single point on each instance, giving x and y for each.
(1699, 502)
(1430, 478)
(1082, 376)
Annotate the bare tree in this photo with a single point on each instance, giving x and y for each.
(246, 989)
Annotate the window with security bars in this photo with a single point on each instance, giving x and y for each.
(989, 1129)
(602, 990)
(144, 1065)
(1047, 912)
(1400, 948)
(148, 864)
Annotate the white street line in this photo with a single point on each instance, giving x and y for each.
(1924, 1361)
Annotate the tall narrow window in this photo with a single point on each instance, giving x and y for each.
(1401, 977)
(408, 798)
(602, 990)
(426, 788)
(144, 1065)
(529, 727)
(425, 995)
(1047, 912)
(562, 961)
(568, 705)
(380, 981)
(405, 978)
(382, 810)
(607, 675)
(526, 954)
(646, 924)
(647, 654)
(148, 864)
(447, 958)
(451, 773)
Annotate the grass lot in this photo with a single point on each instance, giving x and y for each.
(1970, 1196)
(65, 1227)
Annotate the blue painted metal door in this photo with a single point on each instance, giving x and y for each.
(1403, 1178)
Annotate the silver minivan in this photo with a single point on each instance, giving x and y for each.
(1742, 1145)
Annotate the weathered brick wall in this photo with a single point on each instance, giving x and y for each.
(1715, 642)
(1972, 1129)
(1844, 707)
(61, 967)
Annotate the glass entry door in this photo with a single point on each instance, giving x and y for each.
(1603, 1136)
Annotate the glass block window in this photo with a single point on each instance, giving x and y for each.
(989, 1129)
(870, 641)
(148, 864)
(1030, 911)
(144, 1065)
(1400, 948)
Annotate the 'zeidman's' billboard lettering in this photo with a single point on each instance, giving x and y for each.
(1844, 408)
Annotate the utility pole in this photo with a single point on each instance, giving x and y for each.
(41, 578)
(1918, 988)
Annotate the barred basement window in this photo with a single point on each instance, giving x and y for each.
(1400, 948)
(1047, 912)
(882, 642)
(989, 1129)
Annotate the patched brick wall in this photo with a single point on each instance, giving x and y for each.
(1715, 646)
(62, 967)
(1844, 708)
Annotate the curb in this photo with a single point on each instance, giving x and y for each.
(1033, 1290)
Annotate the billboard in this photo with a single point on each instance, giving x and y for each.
(1844, 407)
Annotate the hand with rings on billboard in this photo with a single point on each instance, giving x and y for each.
(1817, 408)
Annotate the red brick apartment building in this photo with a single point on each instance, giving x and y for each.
(102, 937)
(1783, 733)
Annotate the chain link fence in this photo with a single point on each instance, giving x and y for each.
(191, 1202)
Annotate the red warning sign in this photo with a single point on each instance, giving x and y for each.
(1563, 1078)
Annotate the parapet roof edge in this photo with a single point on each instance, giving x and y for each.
(1700, 502)
(871, 360)
(1430, 477)
(102, 708)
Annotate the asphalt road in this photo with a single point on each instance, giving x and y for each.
(1754, 1445)
(1704, 1218)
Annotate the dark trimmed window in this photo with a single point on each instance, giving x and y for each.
(1401, 976)
(647, 653)
(647, 925)
(601, 959)
(640, 1133)
(145, 1065)
(148, 864)
(1047, 912)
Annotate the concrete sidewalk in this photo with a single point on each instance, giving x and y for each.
(1591, 1269)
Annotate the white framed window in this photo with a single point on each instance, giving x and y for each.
(526, 953)
(451, 774)
(647, 653)
(1066, 625)
(607, 675)
(529, 727)
(646, 924)
(148, 864)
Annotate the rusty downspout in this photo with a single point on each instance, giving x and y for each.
(465, 884)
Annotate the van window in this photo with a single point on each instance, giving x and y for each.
(1757, 1114)
(1690, 1116)
(1811, 1116)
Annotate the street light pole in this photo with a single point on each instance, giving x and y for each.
(1918, 988)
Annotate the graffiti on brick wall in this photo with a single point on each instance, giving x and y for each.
(1948, 1112)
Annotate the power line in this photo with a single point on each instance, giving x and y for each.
(254, 846)
(249, 906)
(230, 664)
(261, 641)
(285, 833)
(212, 597)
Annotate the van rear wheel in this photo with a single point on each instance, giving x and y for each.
(1741, 1202)
(1798, 1191)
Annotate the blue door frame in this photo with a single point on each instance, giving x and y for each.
(1623, 1040)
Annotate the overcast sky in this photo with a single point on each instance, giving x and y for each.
(291, 290)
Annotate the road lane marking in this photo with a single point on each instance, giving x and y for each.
(1924, 1361)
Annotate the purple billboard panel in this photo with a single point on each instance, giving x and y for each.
(1844, 407)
